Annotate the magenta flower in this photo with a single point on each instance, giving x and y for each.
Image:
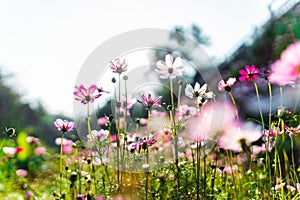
(86, 95)
(226, 86)
(64, 125)
(249, 73)
(149, 102)
(118, 67)
(170, 68)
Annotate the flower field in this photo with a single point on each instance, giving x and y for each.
(186, 143)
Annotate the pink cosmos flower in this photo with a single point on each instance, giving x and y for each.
(236, 136)
(80, 196)
(40, 151)
(185, 112)
(281, 74)
(67, 145)
(207, 125)
(102, 121)
(290, 188)
(249, 73)
(86, 95)
(31, 139)
(65, 141)
(67, 149)
(143, 122)
(64, 125)
(118, 66)
(21, 172)
(126, 106)
(29, 194)
(286, 70)
(227, 169)
(170, 68)
(291, 130)
(278, 186)
(99, 135)
(113, 138)
(149, 102)
(226, 86)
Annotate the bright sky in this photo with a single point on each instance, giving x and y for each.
(44, 43)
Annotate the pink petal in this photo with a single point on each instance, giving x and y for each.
(83, 90)
(58, 123)
(149, 98)
(243, 72)
(144, 98)
(157, 99)
(248, 68)
(92, 89)
(242, 78)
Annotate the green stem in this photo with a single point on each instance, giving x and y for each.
(148, 134)
(266, 137)
(259, 105)
(235, 106)
(60, 164)
(293, 163)
(281, 96)
(198, 170)
(179, 94)
(172, 96)
(174, 135)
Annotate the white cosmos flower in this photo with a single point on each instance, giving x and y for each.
(170, 68)
(198, 92)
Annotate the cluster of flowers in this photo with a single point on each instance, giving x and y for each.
(198, 122)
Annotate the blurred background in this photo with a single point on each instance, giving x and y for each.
(43, 45)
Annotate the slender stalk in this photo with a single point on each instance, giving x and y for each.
(198, 170)
(235, 106)
(118, 134)
(266, 137)
(295, 179)
(281, 96)
(171, 93)
(174, 135)
(214, 175)
(179, 94)
(91, 148)
(60, 164)
(259, 105)
(297, 101)
(148, 134)
(233, 176)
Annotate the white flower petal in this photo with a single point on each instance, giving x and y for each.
(169, 60)
(197, 87)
